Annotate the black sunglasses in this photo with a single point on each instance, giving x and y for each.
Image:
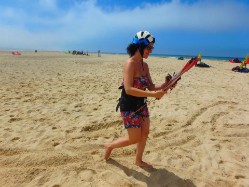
(150, 47)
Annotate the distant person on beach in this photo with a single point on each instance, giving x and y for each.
(136, 87)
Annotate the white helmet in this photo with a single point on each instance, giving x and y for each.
(143, 37)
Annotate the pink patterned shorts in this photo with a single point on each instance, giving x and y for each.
(133, 120)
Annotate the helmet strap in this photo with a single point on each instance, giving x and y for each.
(141, 51)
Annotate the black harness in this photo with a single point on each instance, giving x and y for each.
(130, 103)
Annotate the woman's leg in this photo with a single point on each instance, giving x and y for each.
(145, 127)
(134, 136)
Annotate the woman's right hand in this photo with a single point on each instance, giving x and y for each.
(159, 94)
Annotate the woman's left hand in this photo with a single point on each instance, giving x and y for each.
(167, 80)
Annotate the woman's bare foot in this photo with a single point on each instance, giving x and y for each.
(108, 151)
(143, 164)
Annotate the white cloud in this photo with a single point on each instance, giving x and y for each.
(87, 22)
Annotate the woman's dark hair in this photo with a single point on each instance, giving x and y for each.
(131, 49)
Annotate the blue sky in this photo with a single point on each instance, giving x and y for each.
(181, 27)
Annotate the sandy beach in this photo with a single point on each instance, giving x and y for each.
(57, 110)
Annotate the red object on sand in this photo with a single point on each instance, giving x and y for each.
(16, 53)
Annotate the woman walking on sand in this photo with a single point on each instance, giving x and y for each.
(136, 87)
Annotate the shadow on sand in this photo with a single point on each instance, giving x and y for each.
(156, 178)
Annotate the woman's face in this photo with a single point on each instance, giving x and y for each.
(148, 50)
